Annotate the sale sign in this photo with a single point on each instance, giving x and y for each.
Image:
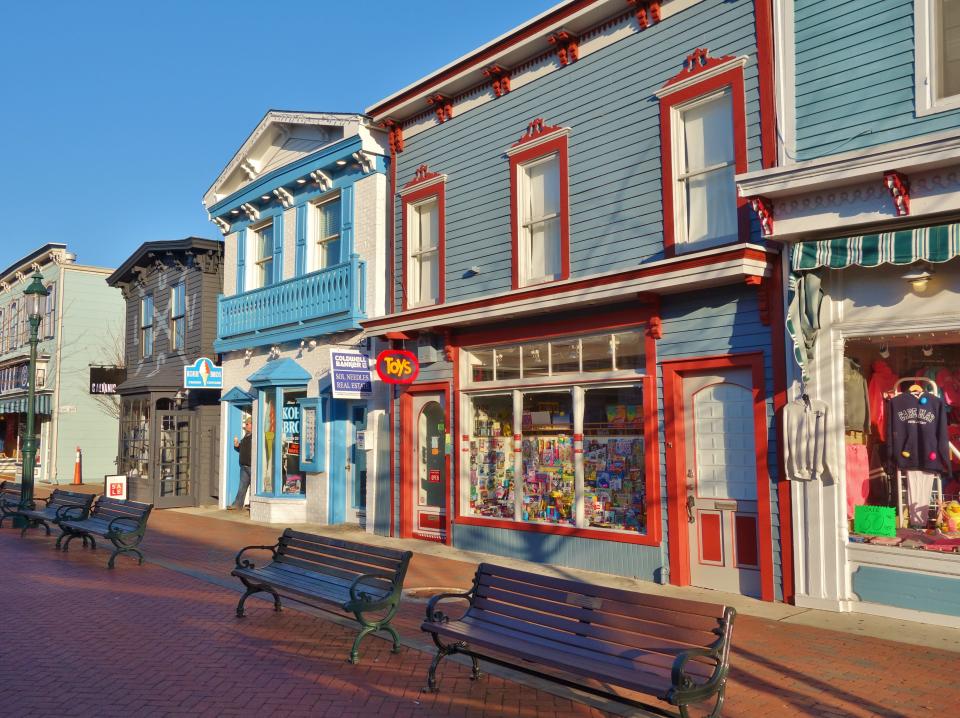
(115, 487)
(397, 366)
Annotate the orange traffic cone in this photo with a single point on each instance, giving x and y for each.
(78, 468)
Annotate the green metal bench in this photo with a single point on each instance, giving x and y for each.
(330, 573)
(619, 644)
(123, 523)
(10, 493)
(59, 506)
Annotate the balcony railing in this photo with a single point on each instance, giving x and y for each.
(326, 301)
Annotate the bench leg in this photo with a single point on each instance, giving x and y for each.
(475, 671)
(257, 588)
(29, 523)
(70, 537)
(718, 706)
(119, 550)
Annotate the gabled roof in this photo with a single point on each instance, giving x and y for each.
(143, 254)
(280, 372)
(281, 137)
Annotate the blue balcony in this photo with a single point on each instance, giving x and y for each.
(323, 302)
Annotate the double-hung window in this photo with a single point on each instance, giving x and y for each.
(937, 47)
(706, 192)
(326, 234)
(178, 316)
(704, 145)
(423, 240)
(539, 205)
(50, 312)
(146, 326)
(263, 247)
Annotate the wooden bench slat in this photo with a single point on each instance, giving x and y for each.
(395, 554)
(322, 560)
(694, 622)
(601, 617)
(309, 566)
(560, 628)
(361, 557)
(647, 679)
(596, 648)
(299, 586)
(296, 576)
(681, 605)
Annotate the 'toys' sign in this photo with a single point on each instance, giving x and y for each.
(397, 366)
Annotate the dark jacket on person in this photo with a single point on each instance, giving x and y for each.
(244, 449)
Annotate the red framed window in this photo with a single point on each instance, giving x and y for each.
(540, 205)
(424, 239)
(704, 144)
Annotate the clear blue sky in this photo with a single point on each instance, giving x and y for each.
(117, 116)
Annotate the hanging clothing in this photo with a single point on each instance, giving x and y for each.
(856, 404)
(919, 487)
(949, 383)
(858, 477)
(803, 317)
(805, 439)
(917, 432)
(882, 380)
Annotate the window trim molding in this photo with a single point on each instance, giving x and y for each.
(173, 317)
(144, 327)
(256, 260)
(414, 194)
(925, 74)
(553, 141)
(682, 90)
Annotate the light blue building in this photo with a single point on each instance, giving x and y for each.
(301, 206)
(594, 311)
(867, 200)
(82, 327)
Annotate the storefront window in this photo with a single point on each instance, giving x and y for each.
(614, 482)
(268, 435)
(492, 457)
(134, 437)
(549, 479)
(536, 360)
(508, 363)
(630, 351)
(292, 476)
(597, 353)
(565, 356)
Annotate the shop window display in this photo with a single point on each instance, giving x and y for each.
(614, 484)
(134, 437)
(549, 480)
(492, 457)
(268, 433)
(902, 439)
(291, 475)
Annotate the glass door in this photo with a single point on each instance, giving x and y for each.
(174, 477)
(430, 474)
(356, 465)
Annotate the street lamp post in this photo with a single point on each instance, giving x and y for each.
(34, 294)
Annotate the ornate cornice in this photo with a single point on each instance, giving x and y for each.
(423, 177)
(499, 79)
(567, 46)
(699, 66)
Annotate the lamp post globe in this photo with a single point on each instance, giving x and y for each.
(35, 293)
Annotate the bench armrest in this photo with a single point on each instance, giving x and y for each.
(114, 525)
(362, 597)
(63, 513)
(246, 563)
(435, 616)
(685, 688)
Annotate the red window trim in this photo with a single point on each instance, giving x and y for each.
(558, 145)
(535, 330)
(732, 78)
(415, 196)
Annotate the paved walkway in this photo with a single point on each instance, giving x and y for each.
(171, 646)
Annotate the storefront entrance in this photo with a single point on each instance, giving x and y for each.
(175, 484)
(718, 479)
(720, 455)
(426, 474)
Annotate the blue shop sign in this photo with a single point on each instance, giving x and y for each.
(203, 374)
(350, 374)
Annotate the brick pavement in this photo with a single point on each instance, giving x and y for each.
(778, 669)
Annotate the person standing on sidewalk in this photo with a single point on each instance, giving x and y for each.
(242, 446)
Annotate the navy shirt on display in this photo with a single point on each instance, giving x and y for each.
(917, 432)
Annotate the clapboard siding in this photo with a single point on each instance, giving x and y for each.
(607, 99)
(718, 322)
(859, 52)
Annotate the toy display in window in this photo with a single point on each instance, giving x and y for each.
(548, 478)
(614, 484)
(491, 459)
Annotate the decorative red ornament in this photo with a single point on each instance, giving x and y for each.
(697, 61)
(394, 135)
(763, 296)
(421, 175)
(655, 328)
(442, 106)
(500, 77)
(536, 128)
(899, 187)
(397, 366)
(567, 46)
(647, 12)
(764, 209)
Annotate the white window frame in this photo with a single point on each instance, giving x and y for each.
(416, 257)
(681, 241)
(926, 50)
(177, 319)
(144, 326)
(313, 261)
(256, 262)
(525, 224)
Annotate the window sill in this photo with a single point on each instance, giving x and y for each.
(619, 536)
(946, 104)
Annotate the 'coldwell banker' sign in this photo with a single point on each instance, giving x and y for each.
(349, 374)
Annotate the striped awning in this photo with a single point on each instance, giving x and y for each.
(930, 244)
(19, 404)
